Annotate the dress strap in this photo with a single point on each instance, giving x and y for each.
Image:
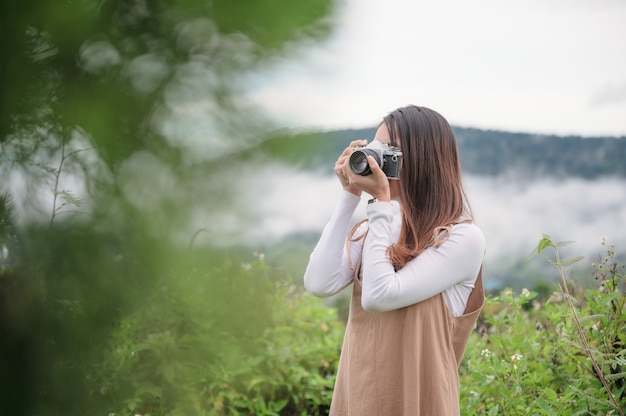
(352, 239)
(477, 296)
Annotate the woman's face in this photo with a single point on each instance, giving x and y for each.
(382, 135)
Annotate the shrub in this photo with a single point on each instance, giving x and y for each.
(529, 357)
(187, 354)
(234, 340)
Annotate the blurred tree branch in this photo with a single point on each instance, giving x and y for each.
(132, 81)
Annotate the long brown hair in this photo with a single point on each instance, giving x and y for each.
(432, 198)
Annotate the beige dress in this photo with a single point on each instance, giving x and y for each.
(403, 362)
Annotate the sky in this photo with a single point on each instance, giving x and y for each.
(539, 66)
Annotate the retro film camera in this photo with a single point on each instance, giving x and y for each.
(388, 158)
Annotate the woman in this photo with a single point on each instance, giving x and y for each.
(416, 273)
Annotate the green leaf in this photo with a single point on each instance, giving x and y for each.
(569, 262)
(564, 243)
(494, 410)
(279, 405)
(70, 198)
(254, 382)
(502, 314)
(48, 169)
(147, 388)
(544, 243)
(549, 393)
(169, 372)
(615, 376)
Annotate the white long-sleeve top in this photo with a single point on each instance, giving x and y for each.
(450, 269)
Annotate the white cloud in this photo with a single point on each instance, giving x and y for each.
(524, 66)
(512, 214)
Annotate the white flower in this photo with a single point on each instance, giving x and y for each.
(516, 357)
(525, 293)
(485, 353)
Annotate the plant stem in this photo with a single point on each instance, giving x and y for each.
(55, 189)
(583, 337)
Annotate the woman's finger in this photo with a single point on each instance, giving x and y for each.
(374, 167)
(353, 144)
(360, 142)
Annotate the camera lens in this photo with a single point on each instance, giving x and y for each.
(358, 161)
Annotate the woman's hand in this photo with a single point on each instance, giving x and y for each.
(376, 184)
(342, 167)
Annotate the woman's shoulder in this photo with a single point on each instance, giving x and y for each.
(468, 232)
(466, 226)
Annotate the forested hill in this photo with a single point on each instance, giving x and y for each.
(484, 152)
(491, 152)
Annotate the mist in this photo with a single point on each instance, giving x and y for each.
(271, 202)
(513, 213)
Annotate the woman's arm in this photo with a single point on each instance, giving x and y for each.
(456, 261)
(329, 270)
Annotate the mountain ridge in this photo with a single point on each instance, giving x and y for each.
(482, 152)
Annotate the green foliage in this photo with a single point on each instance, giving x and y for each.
(529, 357)
(287, 19)
(279, 357)
(179, 357)
(525, 358)
(120, 129)
(490, 152)
(103, 312)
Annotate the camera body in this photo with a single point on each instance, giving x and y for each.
(389, 159)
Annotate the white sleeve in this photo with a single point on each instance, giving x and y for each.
(329, 271)
(456, 262)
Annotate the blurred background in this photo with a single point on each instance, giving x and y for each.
(166, 168)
